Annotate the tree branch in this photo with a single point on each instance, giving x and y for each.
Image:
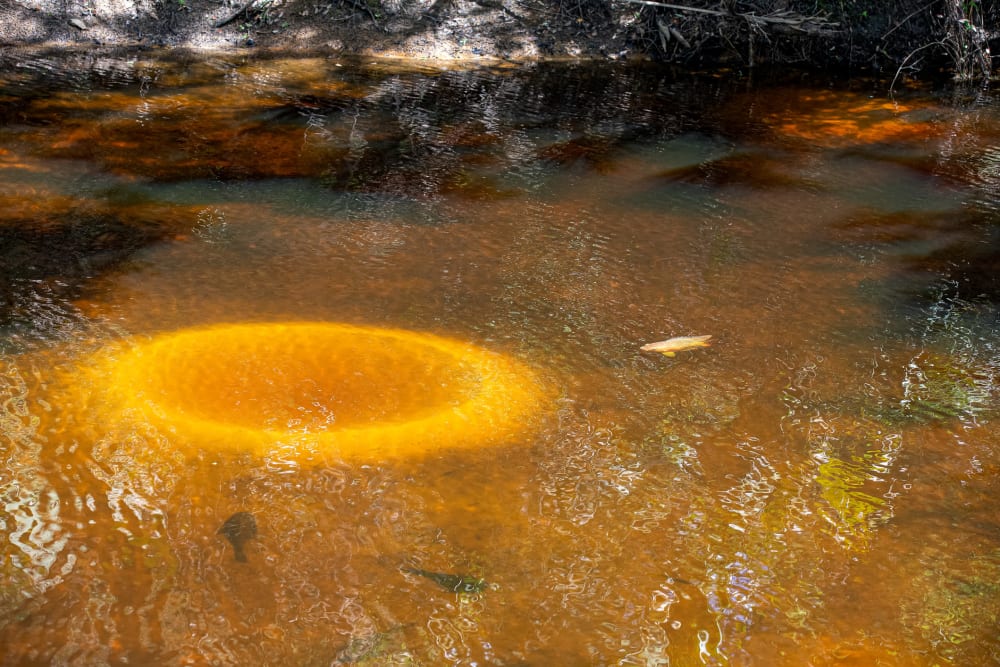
(245, 9)
(816, 25)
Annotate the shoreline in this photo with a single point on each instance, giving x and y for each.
(485, 32)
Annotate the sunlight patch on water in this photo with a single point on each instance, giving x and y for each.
(842, 118)
(30, 507)
(345, 390)
(853, 513)
(954, 604)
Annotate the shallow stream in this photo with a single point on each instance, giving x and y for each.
(183, 241)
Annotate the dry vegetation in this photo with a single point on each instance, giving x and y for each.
(888, 36)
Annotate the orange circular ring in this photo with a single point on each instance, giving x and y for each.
(357, 391)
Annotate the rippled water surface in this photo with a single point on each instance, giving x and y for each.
(817, 487)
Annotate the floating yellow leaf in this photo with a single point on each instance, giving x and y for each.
(673, 345)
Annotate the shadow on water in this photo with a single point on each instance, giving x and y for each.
(367, 127)
(814, 488)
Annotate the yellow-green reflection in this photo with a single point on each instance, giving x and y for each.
(855, 513)
(358, 391)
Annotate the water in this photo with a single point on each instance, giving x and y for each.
(816, 488)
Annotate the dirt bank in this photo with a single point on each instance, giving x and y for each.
(423, 29)
(907, 36)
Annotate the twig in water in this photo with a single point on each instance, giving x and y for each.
(910, 55)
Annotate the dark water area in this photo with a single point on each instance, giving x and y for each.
(316, 361)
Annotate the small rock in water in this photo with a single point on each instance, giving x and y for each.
(238, 529)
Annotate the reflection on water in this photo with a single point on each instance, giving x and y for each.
(815, 488)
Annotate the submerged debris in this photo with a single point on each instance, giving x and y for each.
(375, 648)
(238, 529)
(673, 345)
(457, 583)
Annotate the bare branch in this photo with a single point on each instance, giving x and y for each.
(714, 12)
(246, 9)
(812, 25)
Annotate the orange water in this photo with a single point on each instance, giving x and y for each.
(815, 488)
